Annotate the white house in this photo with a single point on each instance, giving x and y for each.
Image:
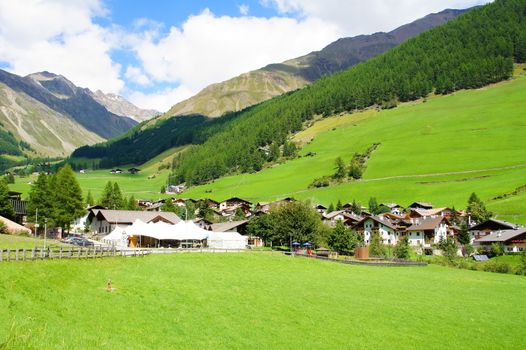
(428, 231)
(387, 230)
(488, 227)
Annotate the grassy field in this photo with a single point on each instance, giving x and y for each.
(20, 242)
(438, 151)
(255, 301)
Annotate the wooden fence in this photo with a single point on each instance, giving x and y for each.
(66, 253)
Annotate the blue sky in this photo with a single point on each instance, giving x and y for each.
(157, 53)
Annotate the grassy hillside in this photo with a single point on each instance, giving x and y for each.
(468, 132)
(240, 301)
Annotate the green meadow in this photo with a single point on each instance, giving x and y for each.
(255, 301)
(22, 242)
(439, 150)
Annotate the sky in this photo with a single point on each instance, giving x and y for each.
(159, 52)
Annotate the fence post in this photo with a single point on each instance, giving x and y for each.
(80, 252)
(1, 255)
(33, 253)
(9, 255)
(24, 254)
(60, 253)
(16, 254)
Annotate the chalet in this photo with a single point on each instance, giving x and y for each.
(420, 205)
(19, 206)
(333, 217)
(514, 240)
(321, 209)
(350, 219)
(175, 189)
(392, 208)
(134, 171)
(416, 213)
(380, 224)
(104, 221)
(428, 231)
(239, 227)
(488, 227)
(233, 203)
(204, 224)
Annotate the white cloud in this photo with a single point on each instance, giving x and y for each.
(244, 9)
(209, 49)
(59, 36)
(136, 75)
(160, 100)
(355, 17)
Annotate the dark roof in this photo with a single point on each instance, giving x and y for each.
(426, 224)
(390, 205)
(503, 225)
(421, 205)
(501, 236)
(237, 199)
(381, 220)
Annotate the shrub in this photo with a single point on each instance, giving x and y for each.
(377, 248)
(448, 248)
(401, 249)
(497, 249)
(3, 227)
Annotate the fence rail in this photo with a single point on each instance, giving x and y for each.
(66, 253)
(391, 263)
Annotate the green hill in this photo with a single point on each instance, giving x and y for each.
(439, 151)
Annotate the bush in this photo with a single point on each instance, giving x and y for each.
(496, 266)
(497, 249)
(401, 249)
(3, 227)
(448, 248)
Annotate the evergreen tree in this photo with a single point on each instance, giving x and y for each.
(6, 209)
(89, 199)
(41, 197)
(330, 209)
(132, 203)
(273, 152)
(401, 249)
(168, 206)
(68, 196)
(239, 215)
(340, 168)
(356, 208)
(373, 206)
(377, 247)
(117, 199)
(464, 236)
(106, 199)
(339, 205)
(477, 209)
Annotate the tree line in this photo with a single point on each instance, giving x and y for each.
(472, 51)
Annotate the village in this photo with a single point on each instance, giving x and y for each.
(226, 224)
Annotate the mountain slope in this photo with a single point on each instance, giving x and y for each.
(275, 79)
(48, 132)
(435, 151)
(475, 50)
(120, 106)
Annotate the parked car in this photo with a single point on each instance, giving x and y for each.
(81, 242)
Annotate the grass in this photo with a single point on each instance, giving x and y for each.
(257, 301)
(467, 131)
(21, 242)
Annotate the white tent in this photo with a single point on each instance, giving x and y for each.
(117, 237)
(226, 240)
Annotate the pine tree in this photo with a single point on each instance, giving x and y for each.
(132, 203)
(6, 209)
(339, 205)
(89, 199)
(377, 248)
(401, 249)
(330, 209)
(356, 208)
(340, 168)
(106, 199)
(463, 236)
(42, 198)
(373, 206)
(118, 200)
(477, 209)
(68, 196)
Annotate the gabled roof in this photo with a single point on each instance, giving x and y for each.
(421, 205)
(426, 224)
(501, 236)
(503, 225)
(390, 205)
(333, 214)
(379, 219)
(236, 199)
(429, 212)
(129, 216)
(227, 226)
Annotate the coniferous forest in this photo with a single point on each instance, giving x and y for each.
(477, 49)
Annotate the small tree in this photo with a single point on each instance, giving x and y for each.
(331, 208)
(89, 199)
(448, 248)
(477, 209)
(377, 248)
(163, 189)
(106, 199)
(355, 170)
(373, 206)
(497, 249)
(464, 236)
(118, 200)
(340, 168)
(6, 209)
(356, 207)
(401, 249)
(69, 194)
(339, 205)
(342, 239)
(132, 203)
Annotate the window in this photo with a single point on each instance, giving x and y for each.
(418, 234)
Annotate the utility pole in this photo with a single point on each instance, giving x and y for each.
(36, 222)
(45, 232)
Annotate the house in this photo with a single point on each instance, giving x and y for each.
(488, 227)
(265, 207)
(175, 189)
(19, 206)
(116, 171)
(420, 205)
(203, 223)
(514, 240)
(134, 171)
(103, 221)
(372, 224)
(239, 227)
(321, 209)
(424, 213)
(392, 208)
(428, 231)
(350, 219)
(333, 217)
(233, 203)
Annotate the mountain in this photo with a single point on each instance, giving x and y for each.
(120, 106)
(51, 116)
(275, 79)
